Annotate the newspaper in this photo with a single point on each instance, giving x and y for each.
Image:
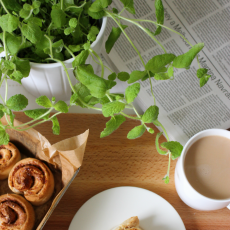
(185, 108)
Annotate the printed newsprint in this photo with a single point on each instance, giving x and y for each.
(185, 108)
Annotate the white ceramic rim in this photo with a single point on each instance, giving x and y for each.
(52, 65)
(187, 146)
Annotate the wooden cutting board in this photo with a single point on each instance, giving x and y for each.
(116, 161)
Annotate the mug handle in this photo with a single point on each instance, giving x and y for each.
(228, 206)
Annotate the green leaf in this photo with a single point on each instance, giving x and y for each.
(36, 4)
(99, 5)
(27, 7)
(112, 76)
(32, 32)
(17, 102)
(61, 106)
(174, 147)
(58, 18)
(92, 35)
(44, 101)
(150, 130)
(36, 113)
(204, 80)
(131, 92)
(166, 179)
(112, 125)
(123, 76)
(73, 99)
(4, 137)
(12, 5)
(185, 60)
(203, 76)
(97, 15)
(170, 71)
(159, 15)
(24, 13)
(9, 22)
(80, 58)
(1, 114)
(74, 48)
(161, 76)
(68, 30)
(129, 5)
(58, 46)
(82, 90)
(23, 66)
(111, 108)
(56, 126)
(201, 72)
(9, 65)
(12, 43)
(43, 42)
(160, 151)
(73, 22)
(136, 75)
(35, 20)
(16, 76)
(158, 62)
(95, 84)
(113, 36)
(136, 132)
(110, 84)
(147, 76)
(151, 114)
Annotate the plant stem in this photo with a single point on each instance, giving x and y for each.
(99, 63)
(62, 3)
(111, 16)
(142, 28)
(99, 59)
(151, 87)
(126, 115)
(69, 51)
(76, 7)
(66, 71)
(4, 41)
(4, 7)
(29, 122)
(164, 130)
(6, 90)
(51, 50)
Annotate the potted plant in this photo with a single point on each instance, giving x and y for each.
(40, 31)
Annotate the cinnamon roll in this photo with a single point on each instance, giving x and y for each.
(16, 213)
(9, 156)
(32, 178)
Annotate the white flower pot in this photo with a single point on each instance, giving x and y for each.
(51, 80)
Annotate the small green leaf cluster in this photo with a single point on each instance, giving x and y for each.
(30, 29)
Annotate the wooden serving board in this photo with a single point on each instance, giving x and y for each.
(116, 161)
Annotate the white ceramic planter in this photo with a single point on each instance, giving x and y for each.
(51, 80)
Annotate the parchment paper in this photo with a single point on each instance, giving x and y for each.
(63, 158)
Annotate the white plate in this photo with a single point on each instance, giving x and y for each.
(111, 207)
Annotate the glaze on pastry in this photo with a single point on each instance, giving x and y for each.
(16, 213)
(130, 224)
(9, 156)
(32, 178)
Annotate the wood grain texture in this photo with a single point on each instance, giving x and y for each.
(116, 161)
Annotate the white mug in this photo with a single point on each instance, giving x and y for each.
(185, 191)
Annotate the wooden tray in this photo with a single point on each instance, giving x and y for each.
(116, 161)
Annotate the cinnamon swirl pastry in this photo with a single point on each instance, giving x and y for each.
(32, 178)
(9, 156)
(16, 213)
